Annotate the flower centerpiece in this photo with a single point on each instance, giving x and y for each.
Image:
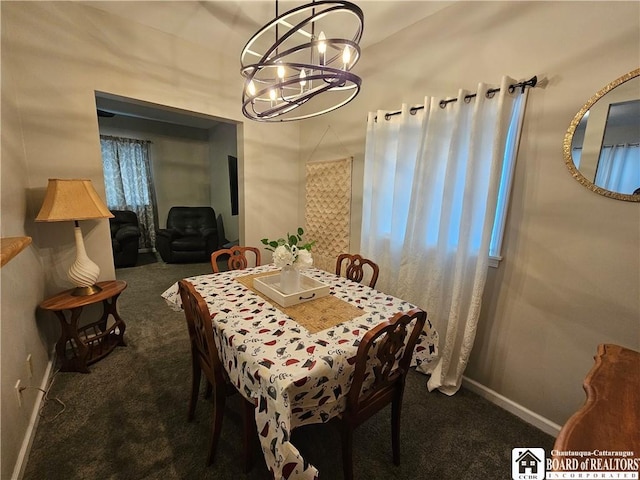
(291, 254)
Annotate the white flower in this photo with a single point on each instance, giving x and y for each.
(291, 250)
(282, 256)
(304, 260)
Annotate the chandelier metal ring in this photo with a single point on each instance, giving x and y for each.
(283, 74)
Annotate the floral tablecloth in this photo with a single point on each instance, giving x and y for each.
(294, 377)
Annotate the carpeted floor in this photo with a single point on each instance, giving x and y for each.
(127, 418)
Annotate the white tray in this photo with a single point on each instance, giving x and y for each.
(270, 286)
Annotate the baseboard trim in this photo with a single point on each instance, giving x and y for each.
(510, 406)
(25, 449)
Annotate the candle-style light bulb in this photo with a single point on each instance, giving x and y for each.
(322, 46)
(322, 43)
(272, 95)
(251, 88)
(303, 80)
(346, 56)
(281, 71)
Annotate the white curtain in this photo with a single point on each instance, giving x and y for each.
(619, 168)
(431, 184)
(128, 182)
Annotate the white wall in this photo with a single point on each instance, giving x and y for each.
(55, 56)
(223, 142)
(21, 287)
(571, 275)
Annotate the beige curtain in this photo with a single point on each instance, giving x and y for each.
(328, 210)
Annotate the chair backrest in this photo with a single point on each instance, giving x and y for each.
(203, 347)
(122, 218)
(354, 268)
(191, 220)
(382, 362)
(237, 257)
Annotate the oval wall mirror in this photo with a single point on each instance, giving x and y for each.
(602, 145)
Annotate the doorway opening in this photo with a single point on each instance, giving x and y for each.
(188, 156)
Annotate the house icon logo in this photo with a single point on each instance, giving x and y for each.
(527, 464)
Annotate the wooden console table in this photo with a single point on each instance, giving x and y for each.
(79, 347)
(610, 418)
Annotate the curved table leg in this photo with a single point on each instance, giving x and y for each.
(69, 336)
(110, 308)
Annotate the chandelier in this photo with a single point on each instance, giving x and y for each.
(299, 65)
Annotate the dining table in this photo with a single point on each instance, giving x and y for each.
(294, 363)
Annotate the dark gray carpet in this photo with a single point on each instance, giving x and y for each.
(127, 419)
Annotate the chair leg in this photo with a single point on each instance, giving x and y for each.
(195, 388)
(208, 389)
(396, 407)
(250, 432)
(347, 450)
(219, 397)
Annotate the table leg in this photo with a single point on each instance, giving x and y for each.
(69, 336)
(109, 307)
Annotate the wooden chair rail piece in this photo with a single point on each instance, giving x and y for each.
(610, 418)
(12, 246)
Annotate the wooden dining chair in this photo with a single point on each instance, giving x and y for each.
(354, 268)
(237, 257)
(205, 359)
(381, 366)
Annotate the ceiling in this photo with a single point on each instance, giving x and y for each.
(232, 23)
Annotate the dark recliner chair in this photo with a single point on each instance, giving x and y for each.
(191, 235)
(125, 235)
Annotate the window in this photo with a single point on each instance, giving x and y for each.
(128, 182)
(506, 181)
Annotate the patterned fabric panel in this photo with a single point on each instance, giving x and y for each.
(295, 377)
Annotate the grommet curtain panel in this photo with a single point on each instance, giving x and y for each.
(431, 183)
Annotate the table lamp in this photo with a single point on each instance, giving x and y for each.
(73, 200)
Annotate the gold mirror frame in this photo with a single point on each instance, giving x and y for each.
(568, 140)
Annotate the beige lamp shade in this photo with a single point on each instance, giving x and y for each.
(71, 199)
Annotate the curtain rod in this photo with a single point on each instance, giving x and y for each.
(467, 98)
(633, 144)
(127, 139)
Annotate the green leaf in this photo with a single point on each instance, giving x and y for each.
(289, 241)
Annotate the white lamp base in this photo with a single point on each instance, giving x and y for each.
(83, 273)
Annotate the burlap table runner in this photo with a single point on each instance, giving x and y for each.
(314, 315)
